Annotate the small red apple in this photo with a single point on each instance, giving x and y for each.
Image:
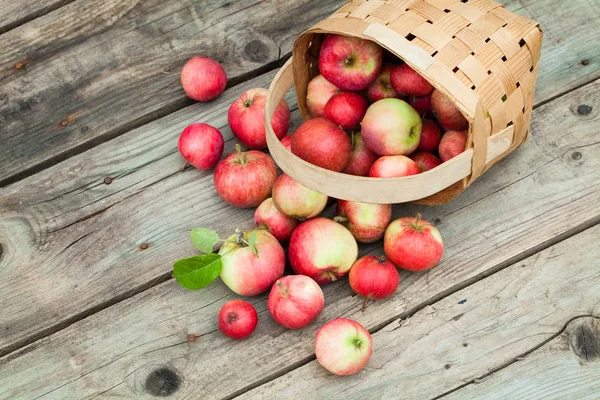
(321, 142)
(430, 136)
(361, 158)
(452, 144)
(246, 118)
(279, 224)
(350, 63)
(245, 179)
(366, 222)
(413, 244)
(406, 80)
(346, 109)
(447, 113)
(287, 142)
(246, 272)
(425, 161)
(203, 79)
(343, 346)
(373, 278)
(393, 167)
(322, 249)
(296, 200)
(237, 319)
(295, 301)
(381, 88)
(201, 145)
(422, 104)
(318, 93)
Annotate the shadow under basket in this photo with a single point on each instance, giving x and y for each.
(483, 57)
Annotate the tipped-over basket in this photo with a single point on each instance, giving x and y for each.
(477, 53)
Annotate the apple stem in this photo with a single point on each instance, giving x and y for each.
(364, 307)
(417, 226)
(241, 156)
(283, 289)
(239, 238)
(332, 276)
(184, 165)
(353, 141)
(381, 260)
(340, 218)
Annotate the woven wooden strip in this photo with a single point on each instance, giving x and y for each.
(506, 42)
(422, 44)
(520, 64)
(504, 14)
(401, 4)
(452, 23)
(466, 11)
(534, 42)
(387, 12)
(453, 54)
(505, 76)
(483, 5)
(466, 81)
(520, 130)
(487, 25)
(365, 9)
(520, 26)
(441, 4)
(461, 94)
(432, 35)
(471, 39)
(348, 8)
(498, 116)
(490, 91)
(488, 54)
(527, 85)
(514, 104)
(372, 20)
(473, 69)
(427, 11)
(406, 23)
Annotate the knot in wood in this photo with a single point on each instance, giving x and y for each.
(256, 51)
(162, 382)
(584, 109)
(586, 342)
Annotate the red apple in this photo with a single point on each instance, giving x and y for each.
(343, 346)
(295, 301)
(245, 179)
(346, 109)
(237, 319)
(318, 93)
(381, 88)
(287, 142)
(413, 244)
(425, 161)
(447, 113)
(422, 104)
(406, 80)
(296, 200)
(246, 118)
(393, 167)
(452, 144)
(350, 63)
(366, 222)
(201, 145)
(203, 79)
(321, 142)
(430, 136)
(361, 158)
(373, 278)
(279, 224)
(245, 272)
(322, 249)
(391, 127)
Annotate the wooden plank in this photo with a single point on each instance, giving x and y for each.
(93, 70)
(14, 13)
(544, 192)
(474, 331)
(103, 68)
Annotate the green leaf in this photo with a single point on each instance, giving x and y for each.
(204, 239)
(252, 241)
(197, 272)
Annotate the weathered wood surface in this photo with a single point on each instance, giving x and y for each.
(546, 191)
(54, 216)
(17, 12)
(567, 367)
(103, 68)
(97, 69)
(474, 331)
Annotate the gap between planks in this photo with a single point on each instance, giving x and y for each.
(9, 26)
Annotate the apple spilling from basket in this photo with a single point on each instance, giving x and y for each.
(372, 118)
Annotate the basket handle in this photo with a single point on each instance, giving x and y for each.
(364, 189)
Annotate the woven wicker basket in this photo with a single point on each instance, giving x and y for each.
(482, 56)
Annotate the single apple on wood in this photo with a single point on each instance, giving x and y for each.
(295, 301)
(296, 200)
(361, 158)
(279, 224)
(373, 278)
(251, 262)
(407, 81)
(382, 88)
(322, 249)
(350, 63)
(346, 109)
(393, 167)
(413, 244)
(246, 118)
(452, 144)
(203, 79)
(343, 346)
(366, 222)
(245, 179)
(391, 127)
(237, 319)
(446, 112)
(318, 93)
(201, 145)
(430, 136)
(425, 161)
(322, 143)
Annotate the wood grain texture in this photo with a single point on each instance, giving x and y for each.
(14, 13)
(539, 195)
(561, 369)
(470, 333)
(93, 70)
